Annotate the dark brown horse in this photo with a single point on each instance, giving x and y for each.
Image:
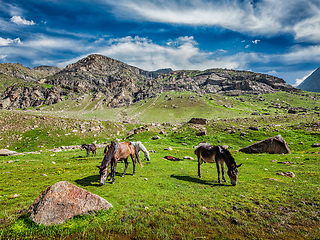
(219, 155)
(90, 148)
(117, 152)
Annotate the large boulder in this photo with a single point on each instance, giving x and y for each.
(6, 152)
(273, 145)
(202, 121)
(62, 201)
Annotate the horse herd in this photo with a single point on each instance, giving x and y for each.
(120, 151)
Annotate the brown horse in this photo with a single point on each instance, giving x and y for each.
(90, 148)
(219, 155)
(117, 152)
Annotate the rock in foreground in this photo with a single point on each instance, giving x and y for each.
(62, 201)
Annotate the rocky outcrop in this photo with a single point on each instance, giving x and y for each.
(63, 201)
(119, 84)
(22, 97)
(273, 145)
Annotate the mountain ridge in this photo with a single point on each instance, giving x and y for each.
(121, 85)
(311, 83)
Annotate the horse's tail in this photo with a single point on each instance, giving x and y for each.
(143, 149)
(137, 155)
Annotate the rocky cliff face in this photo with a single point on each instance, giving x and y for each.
(121, 85)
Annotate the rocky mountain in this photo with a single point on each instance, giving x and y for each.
(311, 83)
(119, 84)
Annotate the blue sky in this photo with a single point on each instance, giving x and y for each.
(281, 38)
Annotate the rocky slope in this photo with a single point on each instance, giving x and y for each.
(311, 83)
(119, 84)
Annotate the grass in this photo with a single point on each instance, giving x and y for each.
(165, 199)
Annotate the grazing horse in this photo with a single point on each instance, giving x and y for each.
(139, 146)
(116, 152)
(90, 148)
(219, 155)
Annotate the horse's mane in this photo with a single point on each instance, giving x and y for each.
(111, 149)
(227, 155)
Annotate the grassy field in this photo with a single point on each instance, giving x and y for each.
(165, 199)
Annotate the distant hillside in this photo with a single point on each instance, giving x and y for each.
(311, 83)
(118, 84)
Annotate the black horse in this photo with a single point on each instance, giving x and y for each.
(219, 155)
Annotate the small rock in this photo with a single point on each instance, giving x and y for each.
(155, 137)
(169, 149)
(146, 179)
(234, 208)
(188, 157)
(287, 174)
(201, 133)
(273, 179)
(316, 145)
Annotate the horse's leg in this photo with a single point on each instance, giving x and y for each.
(111, 171)
(218, 170)
(134, 164)
(114, 171)
(222, 170)
(125, 166)
(199, 166)
(88, 152)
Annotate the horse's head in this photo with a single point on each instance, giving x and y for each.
(103, 171)
(83, 146)
(233, 174)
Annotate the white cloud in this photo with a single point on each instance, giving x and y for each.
(7, 41)
(255, 41)
(272, 72)
(20, 21)
(181, 53)
(300, 18)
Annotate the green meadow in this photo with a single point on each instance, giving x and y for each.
(166, 199)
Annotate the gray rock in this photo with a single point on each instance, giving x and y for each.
(6, 152)
(287, 174)
(273, 145)
(63, 201)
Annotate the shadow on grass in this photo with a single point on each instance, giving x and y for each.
(198, 180)
(94, 180)
(89, 181)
